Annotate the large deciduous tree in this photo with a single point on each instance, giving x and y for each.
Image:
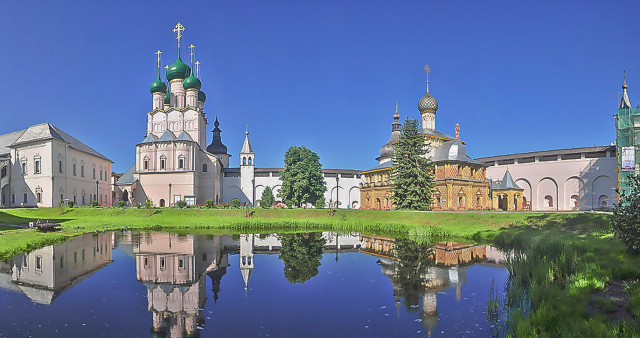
(302, 179)
(412, 172)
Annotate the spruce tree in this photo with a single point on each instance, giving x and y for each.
(412, 172)
(267, 198)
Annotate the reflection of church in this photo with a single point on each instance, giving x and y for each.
(174, 270)
(460, 181)
(447, 268)
(45, 273)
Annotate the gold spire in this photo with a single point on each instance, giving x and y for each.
(178, 29)
(158, 52)
(191, 53)
(427, 70)
(197, 69)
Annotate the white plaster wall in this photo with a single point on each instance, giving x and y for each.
(589, 178)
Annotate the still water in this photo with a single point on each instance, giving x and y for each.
(312, 284)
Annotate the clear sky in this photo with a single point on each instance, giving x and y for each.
(517, 76)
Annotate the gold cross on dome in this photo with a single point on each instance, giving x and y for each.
(197, 68)
(178, 29)
(191, 53)
(158, 52)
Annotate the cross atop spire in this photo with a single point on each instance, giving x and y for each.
(158, 52)
(197, 63)
(178, 29)
(427, 70)
(191, 52)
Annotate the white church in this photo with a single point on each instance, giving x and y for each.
(172, 163)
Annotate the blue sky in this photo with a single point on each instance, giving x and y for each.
(517, 76)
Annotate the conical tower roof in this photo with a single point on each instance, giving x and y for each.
(246, 146)
(508, 182)
(625, 103)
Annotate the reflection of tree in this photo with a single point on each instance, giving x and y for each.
(411, 267)
(301, 255)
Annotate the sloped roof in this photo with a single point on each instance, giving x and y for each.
(150, 138)
(507, 183)
(246, 146)
(45, 131)
(184, 136)
(167, 136)
(436, 133)
(384, 165)
(452, 151)
(127, 177)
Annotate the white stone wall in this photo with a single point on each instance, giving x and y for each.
(591, 180)
(51, 183)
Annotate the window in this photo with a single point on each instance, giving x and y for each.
(145, 163)
(83, 255)
(36, 167)
(244, 161)
(61, 262)
(74, 200)
(100, 174)
(74, 169)
(24, 197)
(249, 160)
(94, 173)
(60, 166)
(75, 257)
(3, 171)
(82, 170)
(204, 167)
(163, 162)
(162, 264)
(24, 168)
(13, 198)
(548, 201)
(181, 163)
(25, 261)
(180, 263)
(61, 197)
(38, 197)
(204, 257)
(38, 263)
(83, 200)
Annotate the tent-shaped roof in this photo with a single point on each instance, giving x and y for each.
(507, 182)
(167, 136)
(127, 177)
(184, 136)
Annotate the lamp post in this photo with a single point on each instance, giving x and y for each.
(97, 182)
(169, 194)
(337, 190)
(253, 192)
(336, 246)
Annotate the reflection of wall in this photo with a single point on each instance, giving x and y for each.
(43, 273)
(450, 253)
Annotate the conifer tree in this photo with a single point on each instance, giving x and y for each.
(412, 172)
(267, 198)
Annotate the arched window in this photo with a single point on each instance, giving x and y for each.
(602, 201)
(94, 172)
(244, 161)
(36, 164)
(548, 201)
(181, 162)
(82, 168)
(249, 160)
(204, 168)
(163, 162)
(60, 158)
(24, 168)
(74, 170)
(145, 163)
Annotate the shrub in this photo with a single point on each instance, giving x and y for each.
(208, 203)
(95, 203)
(626, 216)
(181, 204)
(320, 203)
(120, 204)
(148, 204)
(70, 204)
(235, 203)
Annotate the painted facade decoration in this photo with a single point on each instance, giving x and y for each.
(42, 166)
(460, 180)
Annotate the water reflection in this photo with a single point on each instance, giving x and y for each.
(174, 269)
(43, 274)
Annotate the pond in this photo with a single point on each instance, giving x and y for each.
(128, 284)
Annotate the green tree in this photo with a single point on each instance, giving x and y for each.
(412, 172)
(626, 216)
(301, 254)
(413, 261)
(302, 179)
(267, 199)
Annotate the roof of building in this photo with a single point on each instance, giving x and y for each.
(150, 138)
(44, 131)
(385, 165)
(325, 171)
(246, 146)
(167, 136)
(507, 182)
(184, 137)
(452, 150)
(547, 152)
(127, 177)
(436, 133)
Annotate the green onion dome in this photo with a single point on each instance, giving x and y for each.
(158, 86)
(167, 98)
(178, 70)
(201, 96)
(192, 82)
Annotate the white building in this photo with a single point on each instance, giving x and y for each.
(563, 179)
(42, 165)
(172, 163)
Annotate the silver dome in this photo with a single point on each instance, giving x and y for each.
(428, 103)
(387, 150)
